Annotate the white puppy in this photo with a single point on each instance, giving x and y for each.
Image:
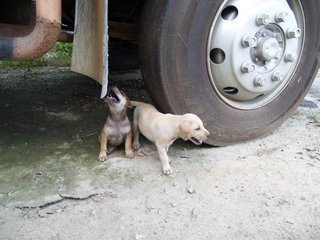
(164, 129)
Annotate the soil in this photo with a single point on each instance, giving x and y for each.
(53, 187)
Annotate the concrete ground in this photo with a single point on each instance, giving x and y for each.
(53, 187)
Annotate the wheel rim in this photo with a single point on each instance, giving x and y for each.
(254, 47)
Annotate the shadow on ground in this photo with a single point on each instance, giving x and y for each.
(50, 124)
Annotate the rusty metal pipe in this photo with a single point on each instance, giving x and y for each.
(39, 41)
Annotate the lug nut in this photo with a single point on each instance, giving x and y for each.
(281, 17)
(263, 19)
(277, 76)
(248, 67)
(290, 57)
(260, 81)
(249, 41)
(294, 33)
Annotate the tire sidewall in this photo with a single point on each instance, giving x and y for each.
(183, 46)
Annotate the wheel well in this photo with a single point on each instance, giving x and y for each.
(16, 12)
(124, 19)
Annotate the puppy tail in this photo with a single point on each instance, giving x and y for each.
(135, 103)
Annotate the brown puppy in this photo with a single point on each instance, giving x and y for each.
(117, 128)
(164, 129)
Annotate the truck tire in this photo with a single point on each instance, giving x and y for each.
(242, 66)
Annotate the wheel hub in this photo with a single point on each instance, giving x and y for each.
(268, 49)
(258, 49)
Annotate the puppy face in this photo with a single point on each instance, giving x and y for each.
(117, 100)
(191, 128)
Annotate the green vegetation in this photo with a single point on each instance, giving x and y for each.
(59, 55)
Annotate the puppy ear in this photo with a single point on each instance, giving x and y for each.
(128, 104)
(185, 130)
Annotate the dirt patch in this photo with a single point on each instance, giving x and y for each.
(52, 186)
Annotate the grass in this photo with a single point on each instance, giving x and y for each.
(59, 55)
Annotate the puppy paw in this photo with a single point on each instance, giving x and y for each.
(130, 155)
(167, 170)
(102, 158)
(136, 146)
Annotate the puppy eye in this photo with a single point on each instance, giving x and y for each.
(198, 128)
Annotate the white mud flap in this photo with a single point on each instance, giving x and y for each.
(90, 44)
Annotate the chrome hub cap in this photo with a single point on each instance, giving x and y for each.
(254, 47)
